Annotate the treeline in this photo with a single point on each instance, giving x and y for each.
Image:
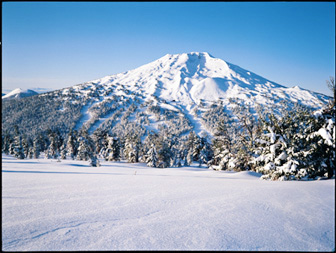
(298, 145)
(157, 150)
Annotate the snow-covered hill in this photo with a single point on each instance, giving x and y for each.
(19, 93)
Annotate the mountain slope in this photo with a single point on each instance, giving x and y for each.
(181, 92)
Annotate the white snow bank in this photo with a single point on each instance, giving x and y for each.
(49, 205)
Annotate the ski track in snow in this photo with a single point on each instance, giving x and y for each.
(67, 205)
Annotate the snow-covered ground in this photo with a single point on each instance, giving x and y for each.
(67, 205)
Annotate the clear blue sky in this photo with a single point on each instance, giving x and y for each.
(56, 45)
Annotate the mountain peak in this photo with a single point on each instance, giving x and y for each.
(19, 93)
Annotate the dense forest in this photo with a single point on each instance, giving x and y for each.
(290, 143)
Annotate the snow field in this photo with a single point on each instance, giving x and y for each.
(67, 205)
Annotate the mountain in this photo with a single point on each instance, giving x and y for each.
(179, 92)
(194, 77)
(19, 93)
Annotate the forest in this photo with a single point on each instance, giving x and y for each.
(296, 144)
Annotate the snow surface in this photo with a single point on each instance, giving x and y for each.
(67, 205)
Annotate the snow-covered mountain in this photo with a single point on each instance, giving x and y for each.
(177, 90)
(19, 93)
(194, 77)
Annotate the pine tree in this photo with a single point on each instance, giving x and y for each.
(53, 149)
(152, 157)
(63, 151)
(190, 157)
(297, 146)
(131, 150)
(99, 137)
(36, 148)
(18, 150)
(223, 145)
(6, 141)
(83, 149)
(72, 144)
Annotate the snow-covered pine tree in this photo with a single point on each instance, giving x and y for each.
(18, 150)
(31, 148)
(99, 138)
(222, 145)
(36, 148)
(112, 151)
(163, 144)
(197, 147)
(271, 154)
(53, 150)
(63, 151)
(25, 146)
(206, 153)
(189, 157)
(83, 149)
(72, 144)
(7, 139)
(190, 145)
(152, 157)
(178, 152)
(247, 129)
(132, 146)
(320, 145)
(294, 147)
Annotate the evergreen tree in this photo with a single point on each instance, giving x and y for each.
(6, 141)
(189, 157)
(18, 150)
(72, 144)
(132, 146)
(27, 146)
(112, 152)
(53, 149)
(297, 146)
(83, 152)
(99, 137)
(36, 148)
(63, 151)
(222, 145)
(152, 157)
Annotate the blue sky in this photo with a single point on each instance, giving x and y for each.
(60, 44)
